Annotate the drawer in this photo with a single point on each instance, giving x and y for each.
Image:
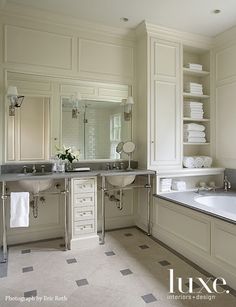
(81, 200)
(86, 213)
(83, 227)
(84, 186)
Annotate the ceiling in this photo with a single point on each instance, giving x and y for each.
(187, 15)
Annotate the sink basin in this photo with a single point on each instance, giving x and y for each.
(35, 186)
(120, 180)
(34, 174)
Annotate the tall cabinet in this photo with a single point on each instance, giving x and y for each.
(163, 58)
(164, 109)
(159, 102)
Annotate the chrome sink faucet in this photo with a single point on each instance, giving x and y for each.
(34, 169)
(227, 184)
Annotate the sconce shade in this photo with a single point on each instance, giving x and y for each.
(12, 91)
(130, 100)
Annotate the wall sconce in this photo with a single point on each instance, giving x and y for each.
(128, 107)
(15, 99)
(75, 105)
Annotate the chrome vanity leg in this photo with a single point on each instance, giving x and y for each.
(4, 230)
(102, 238)
(66, 201)
(148, 186)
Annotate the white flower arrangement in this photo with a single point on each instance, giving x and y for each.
(66, 154)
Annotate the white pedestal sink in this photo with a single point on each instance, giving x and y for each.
(35, 185)
(120, 180)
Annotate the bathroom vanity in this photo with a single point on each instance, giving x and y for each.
(79, 191)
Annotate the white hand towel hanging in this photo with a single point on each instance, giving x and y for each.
(19, 205)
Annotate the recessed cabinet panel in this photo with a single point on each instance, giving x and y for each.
(34, 128)
(165, 60)
(225, 63)
(225, 122)
(27, 46)
(105, 59)
(165, 121)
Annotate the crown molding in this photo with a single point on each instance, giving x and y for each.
(186, 38)
(42, 16)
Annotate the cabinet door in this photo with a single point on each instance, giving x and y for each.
(28, 131)
(165, 106)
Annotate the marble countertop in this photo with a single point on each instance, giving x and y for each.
(18, 177)
(188, 199)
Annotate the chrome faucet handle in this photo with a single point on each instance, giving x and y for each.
(43, 168)
(107, 166)
(25, 169)
(227, 184)
(34, 169)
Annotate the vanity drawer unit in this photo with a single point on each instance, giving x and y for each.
(83, 211)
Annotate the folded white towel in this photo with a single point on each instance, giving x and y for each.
(188, 162)
(191, 133)
(179, 185)
(193, 103)
(198, 162)
(19, 205)
(194, 66)
(194, 140)
(207, 161)
(194, 127)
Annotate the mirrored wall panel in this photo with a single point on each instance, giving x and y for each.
(94, 127)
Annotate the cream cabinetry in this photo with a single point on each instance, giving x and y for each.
(165, 104)
(159, 138)
(83, 212)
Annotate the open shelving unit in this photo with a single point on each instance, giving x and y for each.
(192, 176)
(197, 56)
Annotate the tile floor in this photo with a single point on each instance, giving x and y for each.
(129, 270)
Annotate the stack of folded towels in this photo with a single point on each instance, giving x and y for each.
(197, 161)
(194, 133)
(165, 184)
(194, 66)
(193, 109)
(178, 185)
(194, 88)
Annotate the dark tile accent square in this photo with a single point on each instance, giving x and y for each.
(195, 285)
(164, 262)
(128, 234)
(149, 298)
(82, 282)
(26, 251)
(72, 260)
(111, 253)
(126, 272)
(31, 293)
(27, 269)
(143, 246)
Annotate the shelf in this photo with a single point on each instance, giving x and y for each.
(188, 119)
(196, 143)
(189, 95)
(184, 172)
(194, 72)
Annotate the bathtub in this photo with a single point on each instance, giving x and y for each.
(201, 227)
(219, 204)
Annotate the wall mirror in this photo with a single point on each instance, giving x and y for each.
(48, 118)
(94, 127)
